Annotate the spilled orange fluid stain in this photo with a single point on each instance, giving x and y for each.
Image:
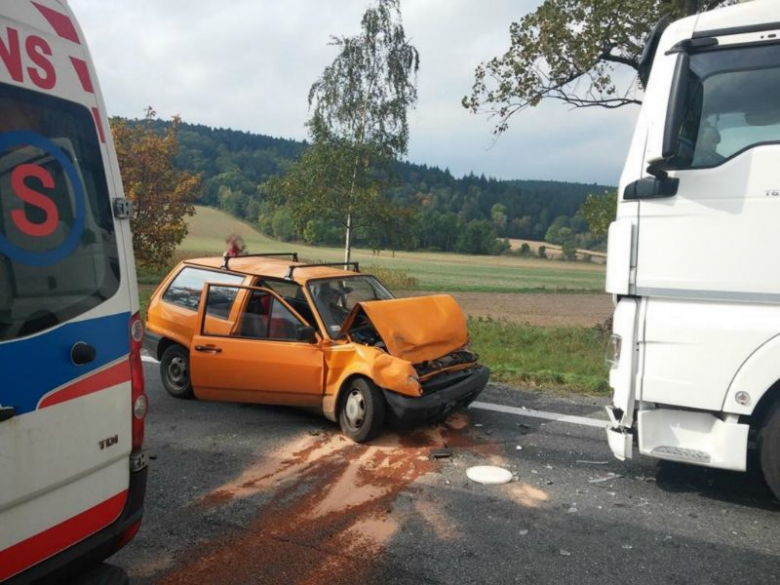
(331, 510)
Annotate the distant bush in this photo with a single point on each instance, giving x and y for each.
(542, 251)
(394, 278)
(525, 250)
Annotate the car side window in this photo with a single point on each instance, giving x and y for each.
(186, 288)
(263, 317)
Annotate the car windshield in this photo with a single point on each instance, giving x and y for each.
(335, 298)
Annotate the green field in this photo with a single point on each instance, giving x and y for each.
(433, 271)
(562, 358)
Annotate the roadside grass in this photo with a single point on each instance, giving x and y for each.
(560, 358)
(432, 271)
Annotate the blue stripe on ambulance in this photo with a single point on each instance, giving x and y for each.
(49, 355)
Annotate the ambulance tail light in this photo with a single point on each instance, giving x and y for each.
(139, 400)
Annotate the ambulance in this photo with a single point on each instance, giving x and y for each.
(72, 401)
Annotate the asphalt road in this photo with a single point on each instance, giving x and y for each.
(253, 494)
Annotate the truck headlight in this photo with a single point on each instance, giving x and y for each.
(613, 351)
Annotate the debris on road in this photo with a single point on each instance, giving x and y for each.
(489, 475)
(564, 553)
(610, 476)
(519, 448)
(441, 453)
(523, 532)
(592, 462)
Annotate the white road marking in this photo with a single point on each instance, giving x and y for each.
(554, 416)
(566, 418)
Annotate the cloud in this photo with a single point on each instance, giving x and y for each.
(248, 65)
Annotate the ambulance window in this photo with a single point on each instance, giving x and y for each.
(58, 248)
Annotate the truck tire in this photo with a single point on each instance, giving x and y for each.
(362, 411)
(175, 372)
(769, 450)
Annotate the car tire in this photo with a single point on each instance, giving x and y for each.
(769, 450)
(362, 411)
(175, 372)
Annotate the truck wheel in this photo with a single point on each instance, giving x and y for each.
(175, 372)
(769, 450)
(362, 412)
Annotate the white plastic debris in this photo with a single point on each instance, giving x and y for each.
(489, 474)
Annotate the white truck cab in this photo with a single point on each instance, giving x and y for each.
(694, 254)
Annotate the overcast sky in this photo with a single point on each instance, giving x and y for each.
(248, 65)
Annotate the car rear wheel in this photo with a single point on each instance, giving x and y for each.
(769, 450)
(362, 412)
(175, 372)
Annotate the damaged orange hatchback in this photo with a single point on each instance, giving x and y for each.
(268, 330)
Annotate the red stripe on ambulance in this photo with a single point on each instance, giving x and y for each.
(60, 23)
(43, 545)
(111, 376)
(99, 124)
(83, 72)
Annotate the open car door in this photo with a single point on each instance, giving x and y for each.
(259, 351)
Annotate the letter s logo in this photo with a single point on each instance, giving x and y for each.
(32, 197)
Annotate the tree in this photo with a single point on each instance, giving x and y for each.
(599, 211)
(359, 108)
(162, 196)
(569, 50)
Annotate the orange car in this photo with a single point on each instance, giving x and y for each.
(268, 330)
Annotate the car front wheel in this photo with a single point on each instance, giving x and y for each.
(362, 412)
(175, 372)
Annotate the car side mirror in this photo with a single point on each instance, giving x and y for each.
(307, 334)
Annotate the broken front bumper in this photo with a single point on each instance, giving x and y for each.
(440, 400)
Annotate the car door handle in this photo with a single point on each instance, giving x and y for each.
(7, 412)
(208, 348)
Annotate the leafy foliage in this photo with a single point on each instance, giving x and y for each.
(162, 195)
(358, 122)
(430, 207)
(568, 50)
(599, 211)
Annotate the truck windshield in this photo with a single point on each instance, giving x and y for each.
(336, 297)
(58, 249)
(731, 104)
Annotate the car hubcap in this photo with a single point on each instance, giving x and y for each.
(177, 372)
(355, 409)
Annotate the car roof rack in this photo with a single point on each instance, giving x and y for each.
(355, 267)
(293, 255)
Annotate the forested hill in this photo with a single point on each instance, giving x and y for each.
(233, 165)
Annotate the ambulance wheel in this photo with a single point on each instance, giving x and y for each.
(769, 450)
(362, 412)
(175, 372)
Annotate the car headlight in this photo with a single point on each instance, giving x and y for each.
(613, 351)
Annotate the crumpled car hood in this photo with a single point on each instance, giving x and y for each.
(417, 329)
